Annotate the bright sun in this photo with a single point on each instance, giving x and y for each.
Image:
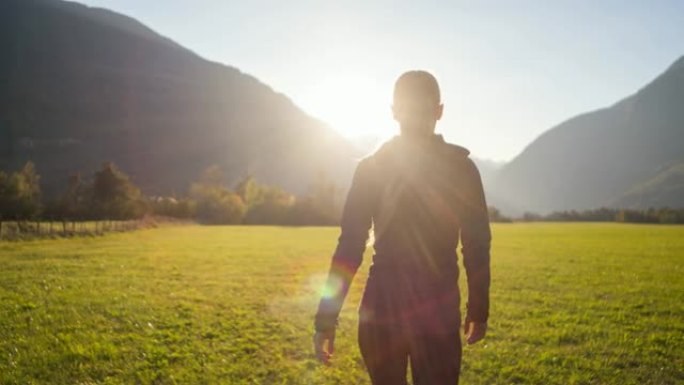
(354, 105)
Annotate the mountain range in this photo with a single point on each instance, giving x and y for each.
(628, 155)
(81, 85)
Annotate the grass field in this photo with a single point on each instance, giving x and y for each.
(570, 304)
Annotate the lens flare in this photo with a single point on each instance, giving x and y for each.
(332, 287)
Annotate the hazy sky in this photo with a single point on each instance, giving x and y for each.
(508, 70)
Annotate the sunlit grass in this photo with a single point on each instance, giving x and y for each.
(571, 304)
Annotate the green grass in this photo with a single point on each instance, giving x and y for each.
(570, 304)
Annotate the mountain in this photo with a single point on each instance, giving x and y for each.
(629, 154)
(665, 189)
(81, 85)
(489, 169)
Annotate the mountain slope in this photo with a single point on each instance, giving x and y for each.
(593, 159)
(665, 189)
(83, 85)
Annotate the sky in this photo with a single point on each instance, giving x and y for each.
(508, 70)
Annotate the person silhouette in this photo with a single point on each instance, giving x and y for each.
(421, 195)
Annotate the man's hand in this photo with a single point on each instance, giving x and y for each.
(319, 340)
(474, 331)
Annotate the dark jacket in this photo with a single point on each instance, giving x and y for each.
(419, 199)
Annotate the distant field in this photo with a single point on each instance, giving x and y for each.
(571, 304)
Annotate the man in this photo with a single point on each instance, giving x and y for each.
(419, 193)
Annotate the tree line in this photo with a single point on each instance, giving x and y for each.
(109, 194)
(212, 201)
(604, 214)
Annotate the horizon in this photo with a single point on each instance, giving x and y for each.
(314, 54)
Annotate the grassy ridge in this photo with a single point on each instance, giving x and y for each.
(571, 304)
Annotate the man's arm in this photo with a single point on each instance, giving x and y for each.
(475, 240)
(355, 223)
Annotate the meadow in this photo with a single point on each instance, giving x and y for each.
(571, 303)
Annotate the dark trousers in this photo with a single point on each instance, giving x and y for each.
(386, 349)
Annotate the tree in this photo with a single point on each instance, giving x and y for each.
(20, 194)
(216, 204)
(114, 196)
(319, 207)
(249, 190)
(272, 207)
(305, 212)
(72, 204)
(324, 196)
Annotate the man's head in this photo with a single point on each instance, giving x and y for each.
(417, 103)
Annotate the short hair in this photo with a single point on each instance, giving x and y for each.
(417, 84)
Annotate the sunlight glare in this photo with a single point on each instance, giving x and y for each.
(354, 104)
